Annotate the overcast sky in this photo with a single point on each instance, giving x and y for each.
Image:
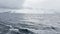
(43, 3)
(11, 3)
(49, 4)
(30, 3)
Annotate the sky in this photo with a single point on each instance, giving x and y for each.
(30, 3)
(43, 3)
(30, 6)
(11, 4)
(47, 6)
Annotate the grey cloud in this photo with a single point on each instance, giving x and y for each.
(13, 4)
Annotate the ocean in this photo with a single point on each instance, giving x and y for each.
(20, 23)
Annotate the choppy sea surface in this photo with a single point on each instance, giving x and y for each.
(19, 23)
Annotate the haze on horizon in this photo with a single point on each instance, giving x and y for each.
(30, 6)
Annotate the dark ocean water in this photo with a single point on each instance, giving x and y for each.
(18, 23)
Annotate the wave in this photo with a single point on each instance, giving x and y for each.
(8, 29)
(16, 23)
